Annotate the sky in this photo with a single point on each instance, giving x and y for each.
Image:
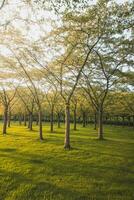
(24, 18)
(23, 12)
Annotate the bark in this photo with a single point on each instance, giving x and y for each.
(20, 120)
(40, 125)
(123, 121)
(117, 119)
(58, 118)
(100, 124)
(25, 121)
(37, 121)
(9, 119)
(51, 120)
(95, 121)
(67, 127)
(75, 119)
(5, 120)
(84, 119)
(30, 123)
(129, 121)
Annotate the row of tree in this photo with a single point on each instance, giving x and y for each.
(19, 105)
(84, 63)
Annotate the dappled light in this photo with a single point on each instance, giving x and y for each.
(66, 100)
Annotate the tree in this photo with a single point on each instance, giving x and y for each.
(29, 102)
(33, 82)
(67, 68)
(52, 99)
(110, 55)
(2, 4)
(7, 97)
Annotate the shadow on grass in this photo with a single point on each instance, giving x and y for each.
(8, 150)
(20, 187)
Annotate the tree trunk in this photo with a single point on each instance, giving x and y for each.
(5, 120)
(75, 119)
(37, 121)
(117, 119)
(67, 127)
(40, 125)
(95, 121)
(133, 121)
(9, 119)
(20, 120)
(123, 121)
(58, 118)
(129, 121)
(30, 123)
(84, 119)
(25, 121)
(100, 124)
(51, 120)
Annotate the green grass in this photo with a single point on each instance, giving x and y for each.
(34, 170)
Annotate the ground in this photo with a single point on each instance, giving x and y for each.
(91, 170)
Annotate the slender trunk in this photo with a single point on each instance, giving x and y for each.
(20, 120)
(5, 120)
(84, 119)
(40, 125)
(37, 121)
(79, 120)
(106, 119)
(123, 121)
(9, 119)
(95, 121)
(117, 119)
(75, 120)
(25, 121)
(129, 121)
(58, 118)
(133, 120)
(51, 120)
(30, 124)
(67, 127)
(100, 124)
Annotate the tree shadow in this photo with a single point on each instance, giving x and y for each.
(8, 150)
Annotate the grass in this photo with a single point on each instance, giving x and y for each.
(96, 170)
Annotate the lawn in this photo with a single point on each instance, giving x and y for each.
(92, 169)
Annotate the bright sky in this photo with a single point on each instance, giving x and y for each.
(20, 9)
(24, 18)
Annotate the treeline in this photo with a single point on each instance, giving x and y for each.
(123, 120)
(23, 109)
